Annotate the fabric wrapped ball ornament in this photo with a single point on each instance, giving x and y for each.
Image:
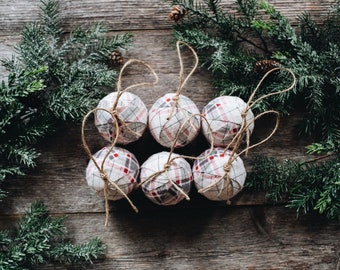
(120, 167)
(209, 168)
(166, 185)
(224, 115)
(166, 119)
(132, 117)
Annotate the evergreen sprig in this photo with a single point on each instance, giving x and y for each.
(54, 77)
(304, 186)
(39, 240)
(230, 42)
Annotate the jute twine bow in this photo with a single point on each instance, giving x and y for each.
(117, 121)
(182, 80)
(171, 159)
(244, 131)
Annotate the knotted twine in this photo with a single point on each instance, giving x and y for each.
(170, 159)
(244, 131)
(118, 121)
(172, 109)
(182, 80)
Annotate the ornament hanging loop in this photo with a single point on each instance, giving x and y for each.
(117, 120)
(182, 80)
(140, 62)
(244, 131)
(100, 167)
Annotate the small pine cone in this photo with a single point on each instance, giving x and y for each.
(116, 58)
(177, 13)
(261, 67)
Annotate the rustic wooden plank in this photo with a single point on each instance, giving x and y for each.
(116, 15)
(232, 238)
(128, 15)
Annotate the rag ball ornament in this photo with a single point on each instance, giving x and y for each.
(130, 112)
(119, 166)
(224, 115)
(169, 115)
(213, 179)
(166, 181)
(174, 117)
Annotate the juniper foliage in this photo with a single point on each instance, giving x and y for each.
(304, 186)
(53, 78)
(39, 240)
(231, 39)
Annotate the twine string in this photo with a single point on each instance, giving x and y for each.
(114, 114)
(182, 80)
(244, 131)
(100, 166)
(120, 91)
(119, 81)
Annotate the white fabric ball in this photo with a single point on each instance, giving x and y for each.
(210, 169)
(121, 167)
(132, 112)
(224, 115)
(160, 189)
(164, 130)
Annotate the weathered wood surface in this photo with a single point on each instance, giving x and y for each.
(127, 15)
(193, 235)
(251, 238)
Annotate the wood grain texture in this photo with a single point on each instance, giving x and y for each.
(260, 238)
(199, 234)
(127, 15)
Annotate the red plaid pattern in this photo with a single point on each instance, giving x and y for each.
(208, 170)
(224, 117)
(131, 110)
(160, 189)
(121, 167)
(164, 130)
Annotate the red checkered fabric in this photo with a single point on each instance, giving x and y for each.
(121, 167)
(208, 170)
(160, 189)
(165, 129)
(131, 110)
(224, 117)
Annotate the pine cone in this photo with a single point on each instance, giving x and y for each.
(116, 58)
(177, 13)
(261, 67)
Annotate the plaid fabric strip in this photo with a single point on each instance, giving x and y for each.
(121, 167)
(131, 109)
(160, 189)
(164, 130)
(224, 115)
(208, 170)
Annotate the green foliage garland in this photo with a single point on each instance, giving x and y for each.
(230, 45)
(39, 240)
(53, 78)
(238, 46)
(303, 186)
